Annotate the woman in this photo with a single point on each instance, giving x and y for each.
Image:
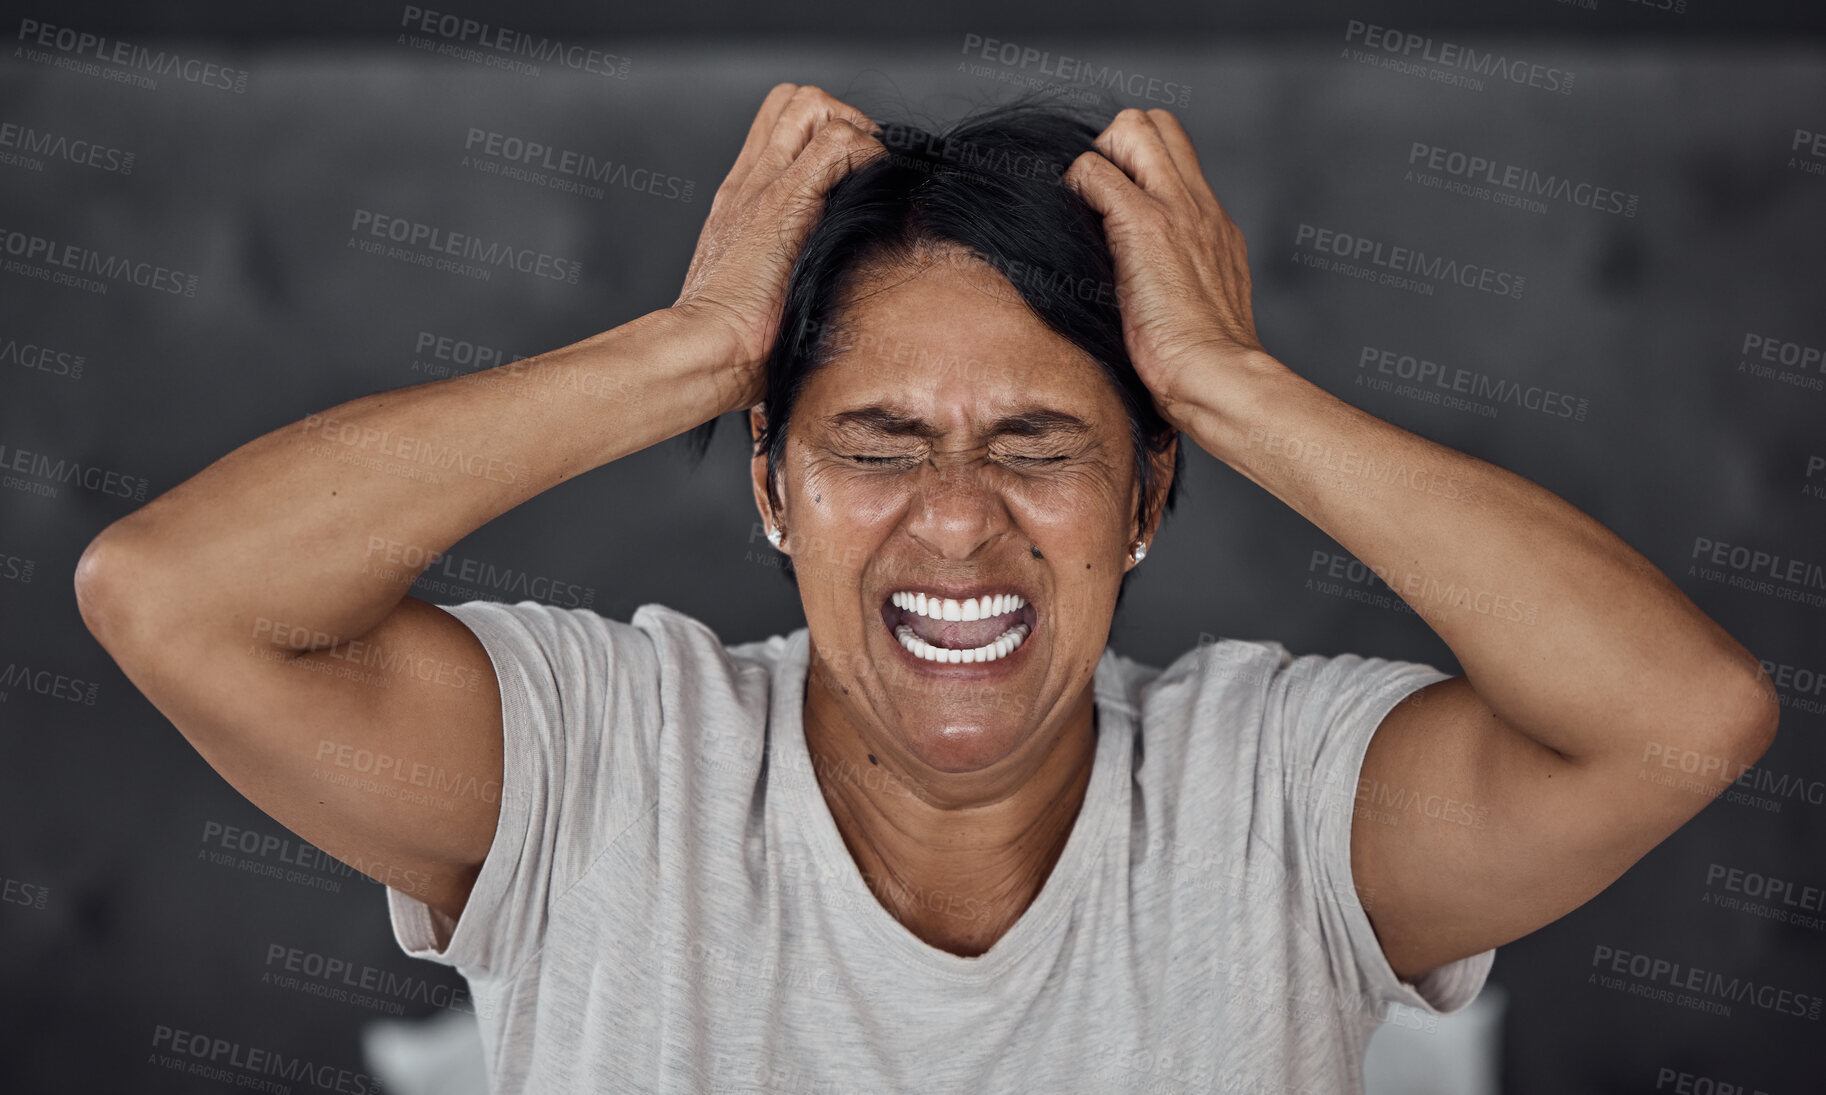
(941, 838)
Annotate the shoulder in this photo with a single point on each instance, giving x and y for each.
(1269, 668)
(546, 624)
(682, 638)
(1237, 703)
(1214, 671)
(668, 636)
(579, 648)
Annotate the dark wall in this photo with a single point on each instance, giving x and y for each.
(1642, 320)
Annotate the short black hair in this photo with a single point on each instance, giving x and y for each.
(990, 184)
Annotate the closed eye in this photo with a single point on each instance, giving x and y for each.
(862, 459)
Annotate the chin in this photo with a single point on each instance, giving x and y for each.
(959, 718)
(957, 747)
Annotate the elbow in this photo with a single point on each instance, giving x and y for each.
(88, 584)
(1730, 722)
(1762, 712)
(1738, 714)
(1736, 711)
(101, 585)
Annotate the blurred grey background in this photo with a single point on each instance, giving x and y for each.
(1664, 357)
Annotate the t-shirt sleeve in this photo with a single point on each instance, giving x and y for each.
(579, 715)
(1324, 711)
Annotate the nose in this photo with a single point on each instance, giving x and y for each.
(956, 510)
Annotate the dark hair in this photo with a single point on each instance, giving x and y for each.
(991, 184)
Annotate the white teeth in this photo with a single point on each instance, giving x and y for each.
(946, 608)
(1005, 644)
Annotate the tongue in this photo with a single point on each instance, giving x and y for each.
(960, 634)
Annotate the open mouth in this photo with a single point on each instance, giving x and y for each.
(986, 627)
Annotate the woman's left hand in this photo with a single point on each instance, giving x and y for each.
(1182, 268)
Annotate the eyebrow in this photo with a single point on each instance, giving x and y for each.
(1028, 423)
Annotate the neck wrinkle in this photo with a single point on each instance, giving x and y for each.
(999, 853)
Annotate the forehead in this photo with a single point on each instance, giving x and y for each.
(950, 339)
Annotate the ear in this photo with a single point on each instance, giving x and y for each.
(757, 466)
(1162, 462)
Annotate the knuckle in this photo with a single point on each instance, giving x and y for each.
(840, 132)
(777, 97)
(861, 138)
(828, 133)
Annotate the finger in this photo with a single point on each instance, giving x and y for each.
(759, 131)
(1101, 183)
(1132, 143)
(809, 109)
(838, 148)
(1179, 147)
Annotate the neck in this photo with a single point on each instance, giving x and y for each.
(955, 856)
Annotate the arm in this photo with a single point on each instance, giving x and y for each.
(1579, 656)
(1580, 660)
(262, 604)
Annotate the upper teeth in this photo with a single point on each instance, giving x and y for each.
(948, 608)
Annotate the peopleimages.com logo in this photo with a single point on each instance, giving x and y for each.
(428, 244)
(93, 54)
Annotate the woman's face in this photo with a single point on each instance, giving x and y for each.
(956, 446)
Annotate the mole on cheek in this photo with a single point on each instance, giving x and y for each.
(1035, 548)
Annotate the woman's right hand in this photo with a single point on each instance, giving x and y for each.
(801, 142)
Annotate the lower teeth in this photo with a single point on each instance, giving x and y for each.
(1005, 644)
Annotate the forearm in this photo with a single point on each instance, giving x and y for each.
(324, 524)
(1567, 633)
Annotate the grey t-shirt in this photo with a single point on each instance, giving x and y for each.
(668, 904)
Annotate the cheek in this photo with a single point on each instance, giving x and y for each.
(841, 520)
(852, 506)
(1082, 503)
